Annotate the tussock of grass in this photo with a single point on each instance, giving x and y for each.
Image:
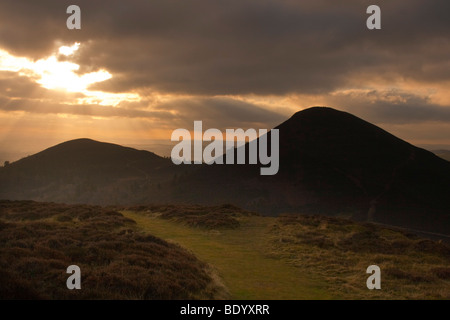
(340, 250)
(38, 241)
(225, 216)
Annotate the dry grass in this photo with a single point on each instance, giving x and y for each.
(240, 258)
(38, 241)
(293, 256)
(340, 250)
(213, 217)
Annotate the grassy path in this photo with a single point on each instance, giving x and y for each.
(239, 258)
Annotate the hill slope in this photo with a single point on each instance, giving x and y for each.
(38, 241)
(87, 171)
(444, 154)
(332, 162)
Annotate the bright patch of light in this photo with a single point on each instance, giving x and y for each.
(68, 51)
(11, 63)
(61, 75)
(107, 99)
(53, 74)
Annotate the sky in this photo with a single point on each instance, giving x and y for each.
(137, 70)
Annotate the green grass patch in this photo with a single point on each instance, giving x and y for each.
(240, 257)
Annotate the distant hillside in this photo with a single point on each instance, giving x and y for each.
(331, 162)
(88, 171)
(334, 163)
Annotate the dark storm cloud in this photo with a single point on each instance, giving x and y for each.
(391, 107)
(210, 47)
(221, 113)
(215, 112)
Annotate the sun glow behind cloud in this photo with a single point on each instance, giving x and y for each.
(61, 75)
(54, 74)
(67, 51)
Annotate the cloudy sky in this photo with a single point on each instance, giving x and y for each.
(137, 70)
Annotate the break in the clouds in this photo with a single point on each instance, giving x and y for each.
(234, 63)
(238, 46)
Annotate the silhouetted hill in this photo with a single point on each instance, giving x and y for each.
(86, 171)
(332, 162)
(89, 157)
(444, 154)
